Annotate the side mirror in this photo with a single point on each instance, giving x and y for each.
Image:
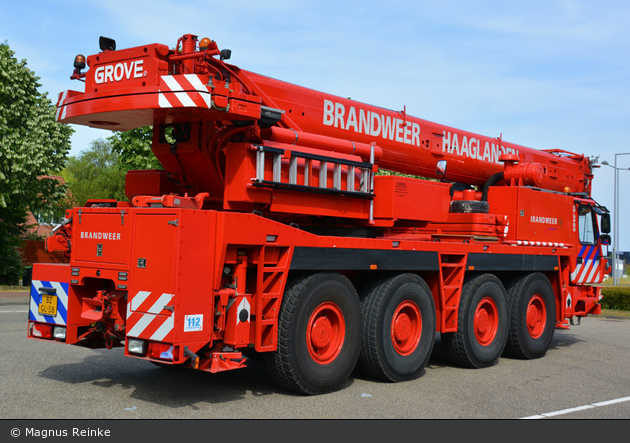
(604, 239)
(605, 223)
(226, 54)
(440, 168)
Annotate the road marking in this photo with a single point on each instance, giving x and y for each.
(578, 408)
(8, 312)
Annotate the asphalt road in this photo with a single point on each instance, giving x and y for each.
(585, 368)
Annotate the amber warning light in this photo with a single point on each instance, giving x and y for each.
(204, 43)
(79, 64)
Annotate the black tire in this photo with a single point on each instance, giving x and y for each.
(398, 328)
(532, 309)
(482, 324)
(469, 206)
(319, 333)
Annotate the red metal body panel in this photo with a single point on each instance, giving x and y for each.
(129, 98)
(413, 145)
(266, 184)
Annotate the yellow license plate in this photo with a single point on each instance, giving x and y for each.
(48, 306)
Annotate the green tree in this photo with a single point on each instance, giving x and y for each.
(12, 221)
(96, 173)
(134, 148)
(32, 147)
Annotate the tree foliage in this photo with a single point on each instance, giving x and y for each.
(33, 146)
(134, 148)
(96, 173)
(32, 143)
(12, 220)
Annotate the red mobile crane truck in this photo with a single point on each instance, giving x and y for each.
(268, 230)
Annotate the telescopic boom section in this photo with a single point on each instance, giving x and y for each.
(269, 231)
(154, 85)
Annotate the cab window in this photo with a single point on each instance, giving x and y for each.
(586, 224)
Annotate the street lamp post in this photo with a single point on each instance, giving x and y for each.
(616, 210)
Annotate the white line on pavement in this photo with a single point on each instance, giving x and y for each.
(578, 408)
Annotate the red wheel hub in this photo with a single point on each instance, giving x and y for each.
(406, 327)
(536, 316)
(486, 321)
(325, 333)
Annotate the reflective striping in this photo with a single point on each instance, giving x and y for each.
(147, 317)
(538, 243)
(589, 271)
(61, 109)
(140, 326)
(196, 82)
(150, 326)
(188, 89)
(163, 330)
(158, 306)
(185, 100)
(145, 301)
(163, 101)
(62, 302)
(591, 276)
(172, 84)
(576, 272)
(138, 299)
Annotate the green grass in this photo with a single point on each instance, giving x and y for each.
(623, 282)
(4, 288)
(615, 313)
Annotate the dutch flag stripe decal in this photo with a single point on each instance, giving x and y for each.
(62, 302)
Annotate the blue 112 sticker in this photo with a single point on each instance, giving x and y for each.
(193, 323)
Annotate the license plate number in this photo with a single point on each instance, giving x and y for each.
(48, 306)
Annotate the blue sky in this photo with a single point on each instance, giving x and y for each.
(545, 74)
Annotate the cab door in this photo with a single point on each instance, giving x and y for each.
(588, 266)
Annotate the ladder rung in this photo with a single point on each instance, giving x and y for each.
(338, 186)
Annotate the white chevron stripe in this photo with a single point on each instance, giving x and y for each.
(196, 82)
(163, 101)
(141, 325)
(138, 299)
(591, 275)
(163, 330)
(576, 272)
(158, 306)
(185, 99)
(172, 83)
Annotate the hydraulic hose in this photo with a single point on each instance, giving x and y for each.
(491, 182)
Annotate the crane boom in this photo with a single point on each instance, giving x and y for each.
(414, 146)
(269, 231)
(152, 85)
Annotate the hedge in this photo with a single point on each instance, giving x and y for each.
(616, 298)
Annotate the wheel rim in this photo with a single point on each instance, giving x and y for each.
(536, 316)
(486, 322)
(406, 327)
(325, 333)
